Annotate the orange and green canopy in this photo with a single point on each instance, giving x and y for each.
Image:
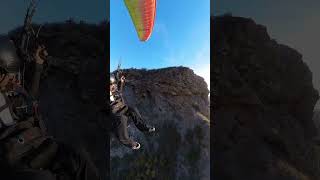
(142, 13)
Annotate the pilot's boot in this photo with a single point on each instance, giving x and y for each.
(151, 128)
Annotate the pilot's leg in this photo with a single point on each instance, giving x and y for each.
(122, 133)
(138, 121)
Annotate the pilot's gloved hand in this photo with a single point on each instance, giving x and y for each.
(40, 54)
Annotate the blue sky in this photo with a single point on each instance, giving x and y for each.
(181, 37)
(12, 12)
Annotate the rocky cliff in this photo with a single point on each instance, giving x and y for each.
(175, 101)
(263, 107)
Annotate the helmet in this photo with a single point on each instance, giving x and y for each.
(9, 59)
(112, 79)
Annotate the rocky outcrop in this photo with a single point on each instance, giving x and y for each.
(175, 101)
(316, 118)
(263, 107)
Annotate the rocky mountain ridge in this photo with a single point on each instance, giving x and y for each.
(263, 107)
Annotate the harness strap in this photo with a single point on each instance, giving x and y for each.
(38, 118)
(3, 107)
(8, 104)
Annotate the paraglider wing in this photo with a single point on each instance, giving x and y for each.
(142, 13)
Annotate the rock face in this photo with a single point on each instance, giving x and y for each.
(73, 87)
(263, 106)
(175, 101)
(316, 118)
